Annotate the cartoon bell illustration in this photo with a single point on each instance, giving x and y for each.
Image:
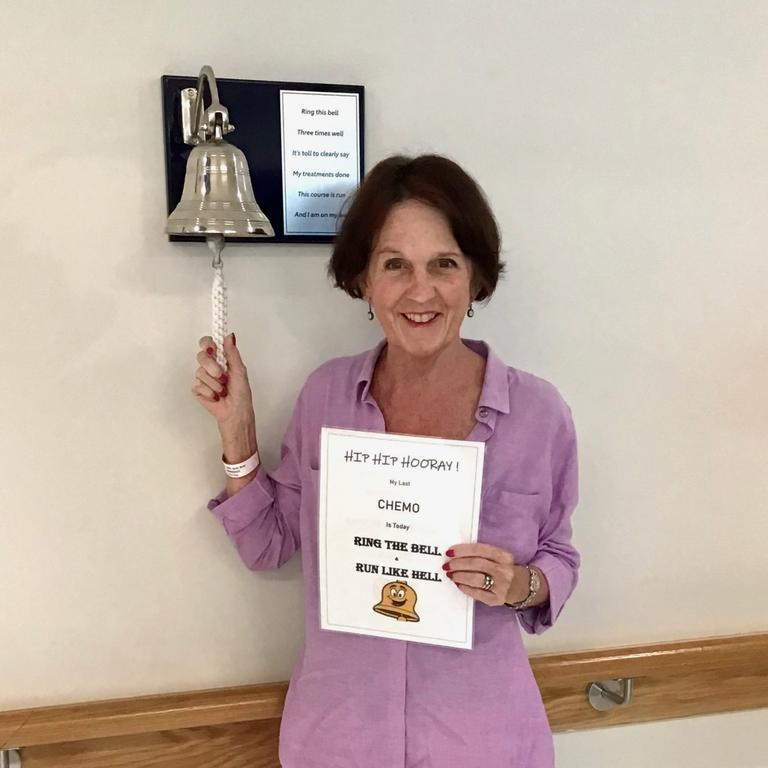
(398, 601)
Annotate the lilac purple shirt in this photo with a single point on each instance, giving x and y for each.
(366, 702)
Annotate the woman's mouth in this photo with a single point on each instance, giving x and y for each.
(420, 319)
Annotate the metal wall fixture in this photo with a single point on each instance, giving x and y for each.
(218, 195)
(218, 199)
(10, 758)
(604, 695)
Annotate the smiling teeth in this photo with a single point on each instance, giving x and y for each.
(425, 318)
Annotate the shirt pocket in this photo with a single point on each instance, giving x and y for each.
(511, 520)
(310, 516)
(310, 486)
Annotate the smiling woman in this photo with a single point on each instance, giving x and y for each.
(418, 282)
(437, 183)
(419, 244)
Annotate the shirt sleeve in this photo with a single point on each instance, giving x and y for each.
(262, 518)
(556, 557)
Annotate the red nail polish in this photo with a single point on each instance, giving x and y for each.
(449, 575)
(224, 392)
(209, 350)
(216, 398)
(223, 378)
(449, 553)
(446, 566)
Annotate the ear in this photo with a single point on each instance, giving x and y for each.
(475, 286)
(474, 283)
(363, 287)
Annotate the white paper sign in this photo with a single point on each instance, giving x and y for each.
(390, 505)
(321, 158)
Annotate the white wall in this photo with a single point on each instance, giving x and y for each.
(734, 740)
(623, 146)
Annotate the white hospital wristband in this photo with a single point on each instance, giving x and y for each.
(243, 468)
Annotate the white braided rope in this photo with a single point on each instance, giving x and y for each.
(218, 298)
(219, 317)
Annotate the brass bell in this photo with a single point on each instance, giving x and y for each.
(398, 601)
(218, 197)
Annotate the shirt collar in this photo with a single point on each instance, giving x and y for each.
(495, 391)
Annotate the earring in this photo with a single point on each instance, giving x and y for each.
(470, 311)
(370, 312)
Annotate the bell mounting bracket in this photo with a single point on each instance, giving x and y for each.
(199, 127)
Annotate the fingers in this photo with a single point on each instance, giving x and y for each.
(478, 564)
(477, 578)
(232, 354)
(215, 385)
(471, 583)
(210, 379)
(203, 392)
(470, 563)
(489, 598)
(473, 575)
(207, 356)
(487, 551)
(209, 365)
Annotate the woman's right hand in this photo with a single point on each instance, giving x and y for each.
(226, 396)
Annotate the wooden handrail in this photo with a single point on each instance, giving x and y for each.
(674, 679)
(732, 653)
(140, 714)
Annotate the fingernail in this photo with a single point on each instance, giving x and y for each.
(449, 575)
(449, 553)
(224, 392)
(209, 350)
(216, 398)
(234, 340)
(223, 378)
(446, 566)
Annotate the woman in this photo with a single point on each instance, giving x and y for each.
(419, 245)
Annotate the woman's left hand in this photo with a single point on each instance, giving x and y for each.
(470, 562)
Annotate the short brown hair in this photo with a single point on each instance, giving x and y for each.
(435, 181)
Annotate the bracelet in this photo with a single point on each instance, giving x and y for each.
(534, 583)
(243, 468)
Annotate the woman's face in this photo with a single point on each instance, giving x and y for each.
(418, 281)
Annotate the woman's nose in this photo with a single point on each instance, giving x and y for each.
(422, 286)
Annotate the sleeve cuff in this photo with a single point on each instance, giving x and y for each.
(238, 511)
(561, 581)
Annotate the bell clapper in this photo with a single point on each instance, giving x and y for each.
(218, 298)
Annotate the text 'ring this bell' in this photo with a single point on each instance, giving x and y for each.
(218, 197)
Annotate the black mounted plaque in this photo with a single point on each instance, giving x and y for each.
(256, 110)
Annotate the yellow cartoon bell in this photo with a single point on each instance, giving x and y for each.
(398, 601)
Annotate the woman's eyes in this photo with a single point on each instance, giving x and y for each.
(442, 263)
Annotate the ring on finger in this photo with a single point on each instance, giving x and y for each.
(488, 583)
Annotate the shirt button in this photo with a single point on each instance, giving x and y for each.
(483, 412)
